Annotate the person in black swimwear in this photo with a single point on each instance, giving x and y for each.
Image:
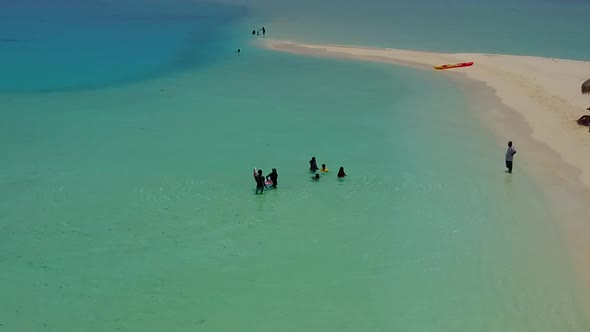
(273, 176)
(259, 178)
(313, 165)
(316, 177)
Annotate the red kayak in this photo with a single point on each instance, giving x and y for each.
(456, 65)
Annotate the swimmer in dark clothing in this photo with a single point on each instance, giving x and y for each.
(313, 165)
(263, 31)
(259, 178)
(273, 177)
(316, 177)
(341, 173)
(253, 32)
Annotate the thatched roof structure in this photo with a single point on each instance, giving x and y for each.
(586, 87)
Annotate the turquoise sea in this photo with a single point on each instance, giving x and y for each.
(128, 136)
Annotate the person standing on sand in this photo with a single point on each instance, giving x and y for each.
(510, 157)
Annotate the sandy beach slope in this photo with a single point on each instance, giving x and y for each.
(544, 91)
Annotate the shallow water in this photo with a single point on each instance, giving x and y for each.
(132, 207)
(549, 28)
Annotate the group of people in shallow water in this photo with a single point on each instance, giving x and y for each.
(254, 33)
(257, 32)
(271, 180)
(262, 183)
(313, 167)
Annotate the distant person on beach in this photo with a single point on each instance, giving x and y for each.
(313, 165)
(273, 177)
(238, 51)
(258, 33)
(263, 31)
(259, 178)
(324, 168)
(316, 177)
(253, 32)
(510, 156)
(341, 172)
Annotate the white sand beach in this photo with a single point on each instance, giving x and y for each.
(544, 91)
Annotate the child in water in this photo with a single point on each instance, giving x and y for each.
(316, 177)
(324, 168)
(341, 173)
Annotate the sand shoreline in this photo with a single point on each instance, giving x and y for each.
(534, 101)
(544, 91)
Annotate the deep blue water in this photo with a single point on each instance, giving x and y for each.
(48, 46)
